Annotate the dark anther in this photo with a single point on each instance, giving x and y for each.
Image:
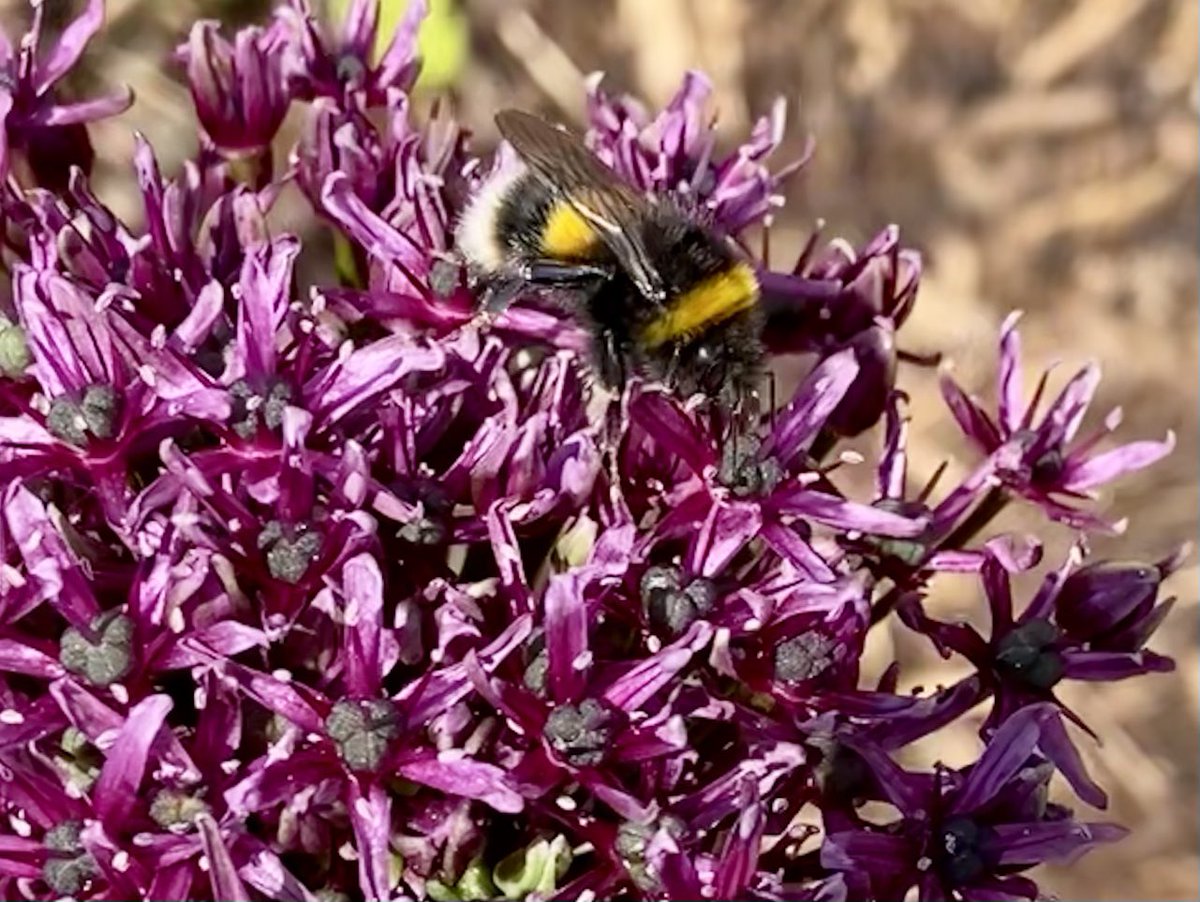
(803, 658)
(105, 660)
(962, 851)
(290, 549)
(580, 734)
(1027, 655)
(363, 730)
(670, 605)
(742, 469)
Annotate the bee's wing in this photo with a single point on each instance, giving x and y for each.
(613, 208)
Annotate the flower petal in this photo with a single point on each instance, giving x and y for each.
(371, 817)
(818, 396)
(1080, 476)
(566, 636)
(1006, 753)
(116, 791)
(362, 585)
(972, 419)
(1010, 401)
(226, 884)
(831, 510)
(1029, 844)
(70, 45)
(453, 772)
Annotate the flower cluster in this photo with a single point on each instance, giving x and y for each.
(343, 592)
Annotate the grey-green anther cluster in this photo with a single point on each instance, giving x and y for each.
(94, 414)
(68, 867)
(290, 549)
(363, 730)
(104, 659)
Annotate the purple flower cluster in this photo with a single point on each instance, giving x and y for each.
(338, 591)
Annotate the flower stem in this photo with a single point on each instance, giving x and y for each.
(985, 512)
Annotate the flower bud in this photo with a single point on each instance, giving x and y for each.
(865, 400)
(238, 88)
(1096, 598)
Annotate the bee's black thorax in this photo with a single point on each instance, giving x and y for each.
(522, 214)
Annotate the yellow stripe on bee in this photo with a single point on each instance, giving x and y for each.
(705, 304)
(567, 235)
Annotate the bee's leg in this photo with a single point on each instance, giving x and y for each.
(771, 396)
(610, 366)
(559, 274)
(498, 293)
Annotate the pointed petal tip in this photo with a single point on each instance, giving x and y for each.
(1010, 321)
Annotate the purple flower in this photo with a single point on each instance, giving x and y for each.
(967, 834)
(1041, 460)
(341, 66)
(837, 298)
(1084, 624)
(674, 153)
(316, 585)
(238, 88)
(32, 117)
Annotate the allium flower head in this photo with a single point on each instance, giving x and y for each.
(33, 118)
(341, 64)
(317, 585)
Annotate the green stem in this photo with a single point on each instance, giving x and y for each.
(985, 512)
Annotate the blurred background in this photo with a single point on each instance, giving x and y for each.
(1042, 155)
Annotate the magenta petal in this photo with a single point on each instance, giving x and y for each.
(566, 637)
(17, 657)
(867, 852)
(284, 699)
(508, 555)
(226, 884)
(267, 874)
(1010, 401)
(453, 772)
(116, 791)
(366, 373)
(362, 585)
(999, 595)
(1103, 468)
(41, 718)
(264, 293)
(223, 639)
(972, 418)
(371, 817)
(724, 532)
(1057, 746)
(673, 430)
(173, 881)
(1028, 844)
(1006, 753)
(837, 512)
(1105, 666)
(644, 680)
(373, 233)
(69, 47)
(819, 395)
(739, 857)
(398, 59)
(787, 543)
(85, 111)
(358, 28)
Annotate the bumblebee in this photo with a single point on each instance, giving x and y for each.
(661, 294)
